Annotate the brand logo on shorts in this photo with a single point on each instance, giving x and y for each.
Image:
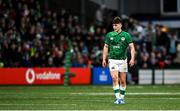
(112, 67)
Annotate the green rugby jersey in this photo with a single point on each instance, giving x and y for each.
(118, 44)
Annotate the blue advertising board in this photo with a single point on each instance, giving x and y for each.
(101, 76)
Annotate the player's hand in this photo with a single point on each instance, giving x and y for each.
(131, 62)
(104, 63)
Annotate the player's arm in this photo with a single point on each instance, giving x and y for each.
(105, 55)
(132, 51)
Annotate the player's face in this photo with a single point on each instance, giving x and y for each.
(117, 27)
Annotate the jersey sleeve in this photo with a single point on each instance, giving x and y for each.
(129, 38)
(107, 39)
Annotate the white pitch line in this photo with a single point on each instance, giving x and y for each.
(156, 98)
(155, 93)
(143, 93)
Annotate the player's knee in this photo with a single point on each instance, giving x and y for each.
(114, 78)
(123, 82)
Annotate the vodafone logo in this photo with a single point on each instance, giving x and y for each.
(41, 75)
(30, 76)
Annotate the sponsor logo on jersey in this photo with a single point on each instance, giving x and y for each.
(116, 46)
(111, 38)
(123, 38)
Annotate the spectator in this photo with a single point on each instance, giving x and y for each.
(34, 37)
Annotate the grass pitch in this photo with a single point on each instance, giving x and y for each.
(157, 97)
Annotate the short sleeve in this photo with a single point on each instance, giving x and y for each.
(129, 38)
(107, 39)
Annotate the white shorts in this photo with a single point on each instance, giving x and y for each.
(118, 65)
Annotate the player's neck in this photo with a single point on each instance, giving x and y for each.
(118, 31)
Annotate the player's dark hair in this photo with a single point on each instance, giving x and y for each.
(117, 20)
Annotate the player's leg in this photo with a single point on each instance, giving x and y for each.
(123, 68)
(115, 79)
(114, 75)
(122, 84)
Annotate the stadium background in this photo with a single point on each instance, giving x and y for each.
(34, 41)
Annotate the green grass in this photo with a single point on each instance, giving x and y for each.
(157, 97)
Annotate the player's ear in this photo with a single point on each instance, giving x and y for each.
(120, 25)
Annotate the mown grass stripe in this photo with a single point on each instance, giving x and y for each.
(10, 104)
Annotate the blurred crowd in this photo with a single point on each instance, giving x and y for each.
(34, 37)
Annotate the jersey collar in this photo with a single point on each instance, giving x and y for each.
(117, 33)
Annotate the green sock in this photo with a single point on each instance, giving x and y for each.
(116, 91)
(122, 91)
